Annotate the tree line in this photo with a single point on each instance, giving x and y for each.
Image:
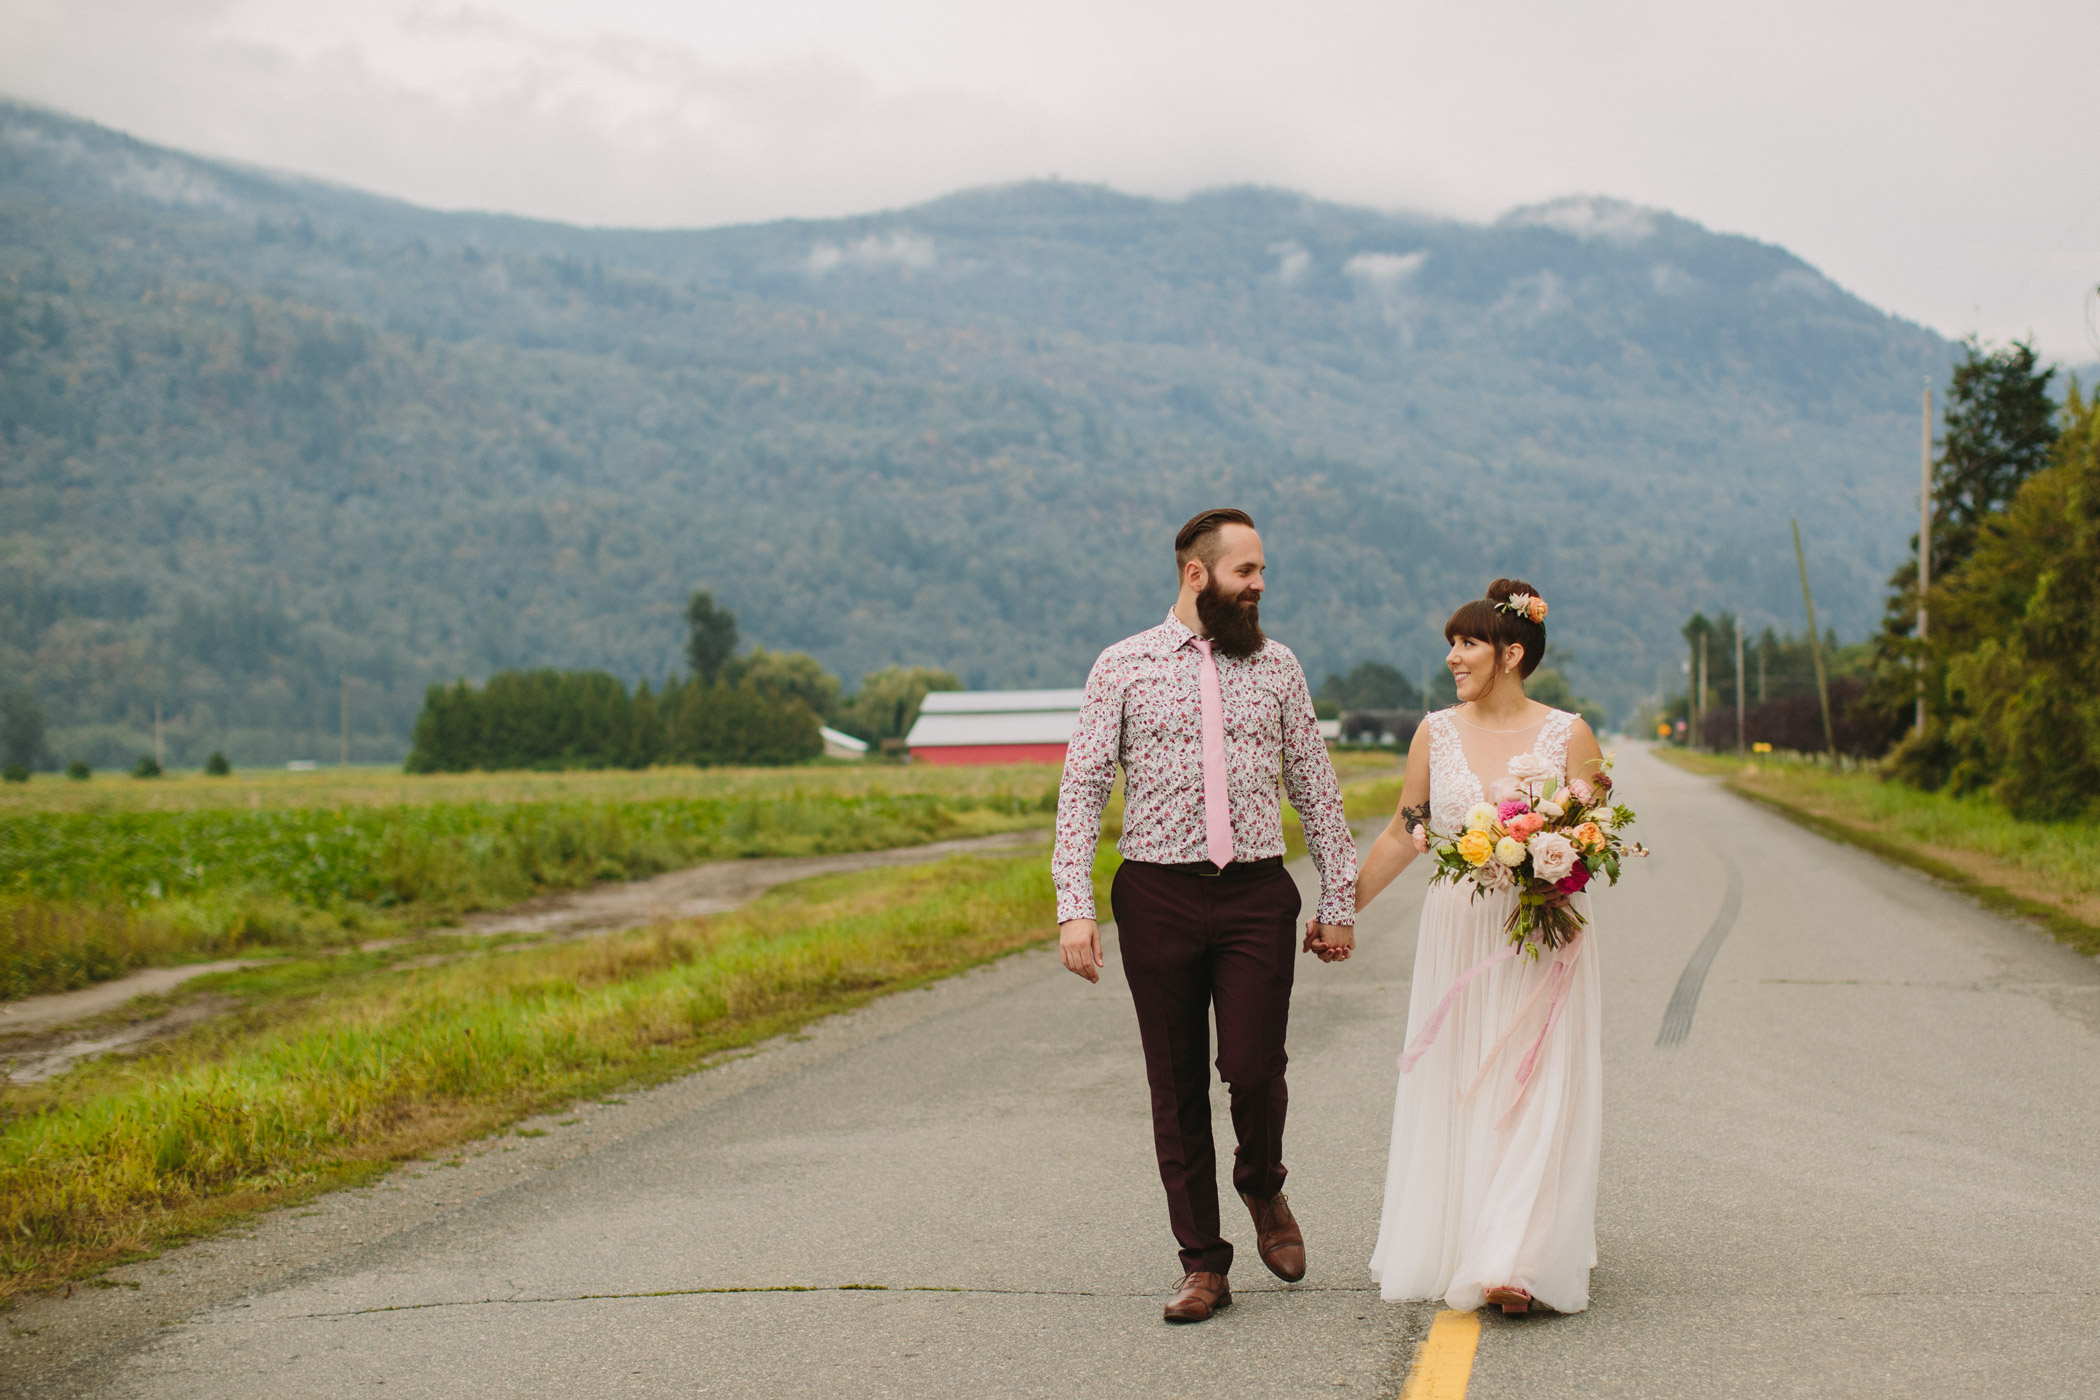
(2012, 649)
(1372, 694)
(2005, 671)
(1781, 706)
(761, 708)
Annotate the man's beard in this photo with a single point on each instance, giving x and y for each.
(1234, 625)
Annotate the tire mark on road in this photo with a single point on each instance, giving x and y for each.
(803, 1288)
(1677, 1019)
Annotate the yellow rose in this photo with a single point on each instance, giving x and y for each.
(1476, 847)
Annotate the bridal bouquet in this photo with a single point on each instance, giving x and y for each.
(1544, 838)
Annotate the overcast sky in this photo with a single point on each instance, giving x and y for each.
(1937, 158)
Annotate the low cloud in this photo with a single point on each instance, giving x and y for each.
(1292, 261)
(1589, 217)
(1670, 279)
(906, 250)
(1385, 272)
(1533, 298)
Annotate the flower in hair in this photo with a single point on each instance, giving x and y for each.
(1525, 605)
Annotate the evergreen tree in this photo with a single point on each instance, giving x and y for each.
(1999, 429)
(21, 730)
(2020, 647)
(645, 730)
(710, 636)
(2000, 424)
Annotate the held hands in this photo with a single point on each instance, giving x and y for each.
(1330, 942)
(1079, 944)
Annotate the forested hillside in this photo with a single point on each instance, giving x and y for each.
(263, 436)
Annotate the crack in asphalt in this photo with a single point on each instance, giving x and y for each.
(804, 1288)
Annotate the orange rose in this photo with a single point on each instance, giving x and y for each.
(1589, 836)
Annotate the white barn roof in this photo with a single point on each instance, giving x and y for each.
(967, 718)
(1000, 702)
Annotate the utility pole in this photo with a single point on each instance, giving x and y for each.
(1702, 686)
(1739, 746)
(1761, 672)
(346, 722)
(160, 753)
(1924, 547)
(1815, 647)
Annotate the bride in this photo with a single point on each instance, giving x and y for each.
(1491, 1188)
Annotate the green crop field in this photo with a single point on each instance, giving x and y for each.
(154, 872)
(265, 788)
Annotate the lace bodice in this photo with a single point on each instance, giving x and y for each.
(1454, 787)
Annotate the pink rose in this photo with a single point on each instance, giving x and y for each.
(1552, 856)
(1575, 881)
(1502, 789)
(1582, 792)
(1421, 838)
(1530, 768)
(1494, 876)
(1526, 826)
(1515, 807)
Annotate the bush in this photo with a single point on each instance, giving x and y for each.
(146, 767)
(217, 766)
(79, 771)
(15, 773)
(1795, 723)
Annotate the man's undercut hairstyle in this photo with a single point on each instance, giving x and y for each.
(1203, 537)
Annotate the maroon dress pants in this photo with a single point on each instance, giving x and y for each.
(1194, 943)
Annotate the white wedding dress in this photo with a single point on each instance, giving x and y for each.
(1493, 1178)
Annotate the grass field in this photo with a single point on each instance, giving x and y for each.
(2045, 871)
(335, 1068)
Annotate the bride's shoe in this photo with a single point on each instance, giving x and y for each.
(1513, 1301)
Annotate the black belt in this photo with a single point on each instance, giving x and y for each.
(1212, 872)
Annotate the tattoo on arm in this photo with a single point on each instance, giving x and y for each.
(1412, 817)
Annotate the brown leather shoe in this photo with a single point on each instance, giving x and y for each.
(1276, 1236)
(1198, 1297)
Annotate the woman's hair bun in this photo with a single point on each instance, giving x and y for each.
(1503, 589)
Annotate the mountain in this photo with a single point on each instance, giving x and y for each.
(266, 440)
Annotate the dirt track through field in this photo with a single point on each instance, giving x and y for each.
(38, 1047)
(714, 888)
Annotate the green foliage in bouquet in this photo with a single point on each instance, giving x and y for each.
(1545, 845)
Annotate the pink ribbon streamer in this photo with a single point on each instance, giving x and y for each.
(1554, 989)
(1419, 1046)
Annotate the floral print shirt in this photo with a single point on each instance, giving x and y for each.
(1142, 710)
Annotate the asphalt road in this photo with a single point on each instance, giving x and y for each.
(1863, 1163)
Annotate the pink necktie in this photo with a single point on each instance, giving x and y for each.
(1217, 813)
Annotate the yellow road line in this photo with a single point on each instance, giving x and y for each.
(1444, 1363)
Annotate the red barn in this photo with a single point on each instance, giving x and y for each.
(994, 726)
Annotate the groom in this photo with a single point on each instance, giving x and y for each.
(1205, 715)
